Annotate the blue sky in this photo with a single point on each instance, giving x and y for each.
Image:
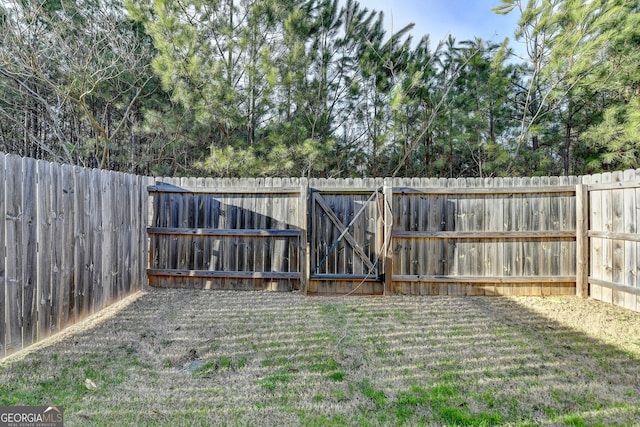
(464, 19)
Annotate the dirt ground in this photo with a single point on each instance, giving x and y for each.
(186, 357)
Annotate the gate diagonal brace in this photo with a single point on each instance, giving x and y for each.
(344, 231)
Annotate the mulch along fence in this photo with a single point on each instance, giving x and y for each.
(76, 239)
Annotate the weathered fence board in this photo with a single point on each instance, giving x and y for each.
(14, 245)
(66, 249)
(63, 245)
(3, 275)
(46, 278)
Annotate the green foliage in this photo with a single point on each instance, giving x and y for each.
(378, 397)
(616, 138)
(271, 381)
(317, 88)
(211, 367)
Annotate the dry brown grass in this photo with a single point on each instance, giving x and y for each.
(183, 357)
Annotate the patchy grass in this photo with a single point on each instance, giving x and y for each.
(189, 358)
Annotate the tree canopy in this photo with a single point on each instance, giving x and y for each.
(317, 88)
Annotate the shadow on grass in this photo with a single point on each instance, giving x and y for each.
(183, 357)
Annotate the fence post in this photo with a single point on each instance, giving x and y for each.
(582, 241)
(303, 212)
(387, 191)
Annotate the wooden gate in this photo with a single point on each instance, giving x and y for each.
(220, 234)
(346, 241)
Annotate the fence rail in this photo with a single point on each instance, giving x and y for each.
(72, 241)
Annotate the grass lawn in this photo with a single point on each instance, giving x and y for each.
(191, 358)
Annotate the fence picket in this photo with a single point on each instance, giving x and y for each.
(46, 241)
(3, 275)
(14, 245)
(29, 251)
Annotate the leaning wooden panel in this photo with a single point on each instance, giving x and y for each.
(477, 224)
(548, 263)
(618, 246)
(582, 242)
(100, 242)
(68, 241)
(630, 226)
(56, 246)
(14, 247)
(637, 245)
(118, 213)
(595, 244)
(508, 266)
(29, 251)
(46, 212)
(494, 220)
(567, 219)
(530, 218)
(387, 237)
(449, 247)
(279, 258)
(463, 222)
(3, 283)
(607, 244)
(82, 256)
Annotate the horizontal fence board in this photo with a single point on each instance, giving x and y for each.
(344, 277)
(614, 286)
(614, 186)
(486, 190)
(484, 279)
(345, 287)
(227, 232)
(202, 190)
(480, 235)
(631, 237)
(234, 284)
(224, 274)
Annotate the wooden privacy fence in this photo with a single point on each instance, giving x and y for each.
(367, 236)
(72, 241)
(420, 236)
(484, 237)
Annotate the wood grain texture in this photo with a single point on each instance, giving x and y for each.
(234, 233)
(63, 254)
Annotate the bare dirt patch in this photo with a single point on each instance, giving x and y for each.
(184, 357)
